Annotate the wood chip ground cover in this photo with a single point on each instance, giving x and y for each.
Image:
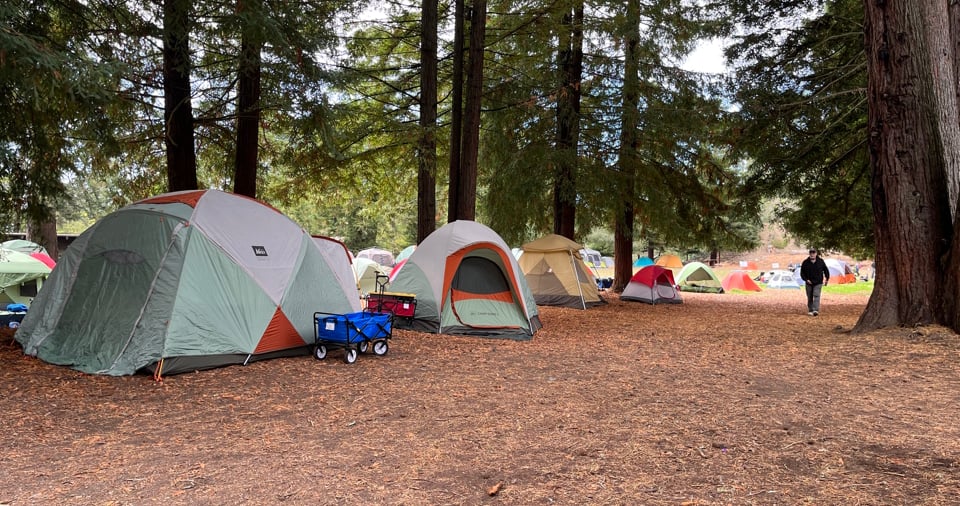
(725, 399)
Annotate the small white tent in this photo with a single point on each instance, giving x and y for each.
(782, 279)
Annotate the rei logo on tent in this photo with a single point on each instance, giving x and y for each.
(260, 251)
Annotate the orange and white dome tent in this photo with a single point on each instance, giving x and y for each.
(467, 282)
(185, 281)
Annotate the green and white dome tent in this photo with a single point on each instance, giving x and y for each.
(185, 281)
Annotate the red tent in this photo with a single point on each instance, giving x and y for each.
(45, 258)
(652, 284)
(739, 280)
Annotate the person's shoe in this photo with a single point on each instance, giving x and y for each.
(816, 313)
(810, 313)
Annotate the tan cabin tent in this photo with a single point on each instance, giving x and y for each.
(557, 275)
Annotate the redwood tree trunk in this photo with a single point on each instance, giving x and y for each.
(570, 59)
(177, 109)
(426, 174)
(45, 234)
(456, 113)
(914, 145)
(628, 157)
(248, 116)
(467, 187)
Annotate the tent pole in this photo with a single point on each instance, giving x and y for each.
(576, 272)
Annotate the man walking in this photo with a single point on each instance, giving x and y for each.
(815, 275)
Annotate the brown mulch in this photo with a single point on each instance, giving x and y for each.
(725, 399)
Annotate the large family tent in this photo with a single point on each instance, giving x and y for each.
(698, 277)
(186, 281)
(556, 273)
(21, 276)
(739, 280)
(652, 284)
(467, 282)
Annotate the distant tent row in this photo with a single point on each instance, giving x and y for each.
(200, 279)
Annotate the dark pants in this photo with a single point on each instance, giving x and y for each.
(813, 297)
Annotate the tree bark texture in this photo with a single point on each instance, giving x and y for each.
(914, 143)
(467, 186)
(248, 113)
(45, 234)
(628, 157)
(570, 60)
(427, 170)
(456, 112)
(177, 109)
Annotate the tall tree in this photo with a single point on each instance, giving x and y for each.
(54, 86)
(627, 159)
(800, 82)
(178, 108)
(427, 152)
(248, 99)
(914, 129)
(466, 188)
(456, 112)
(570, 60)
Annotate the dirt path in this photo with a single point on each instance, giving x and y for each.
(725, 399)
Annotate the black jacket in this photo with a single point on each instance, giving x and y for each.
(815, 272)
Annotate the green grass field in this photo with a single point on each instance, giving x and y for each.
(858, 288)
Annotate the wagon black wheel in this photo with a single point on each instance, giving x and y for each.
(350, 356)
(362, 346)
(320, 352)
(380, 347)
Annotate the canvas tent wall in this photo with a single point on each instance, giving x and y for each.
(186, 281)
(698, 277)
(652, 284)
(21, 277)
(556, 273)
(467, 282)
(367, 272)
